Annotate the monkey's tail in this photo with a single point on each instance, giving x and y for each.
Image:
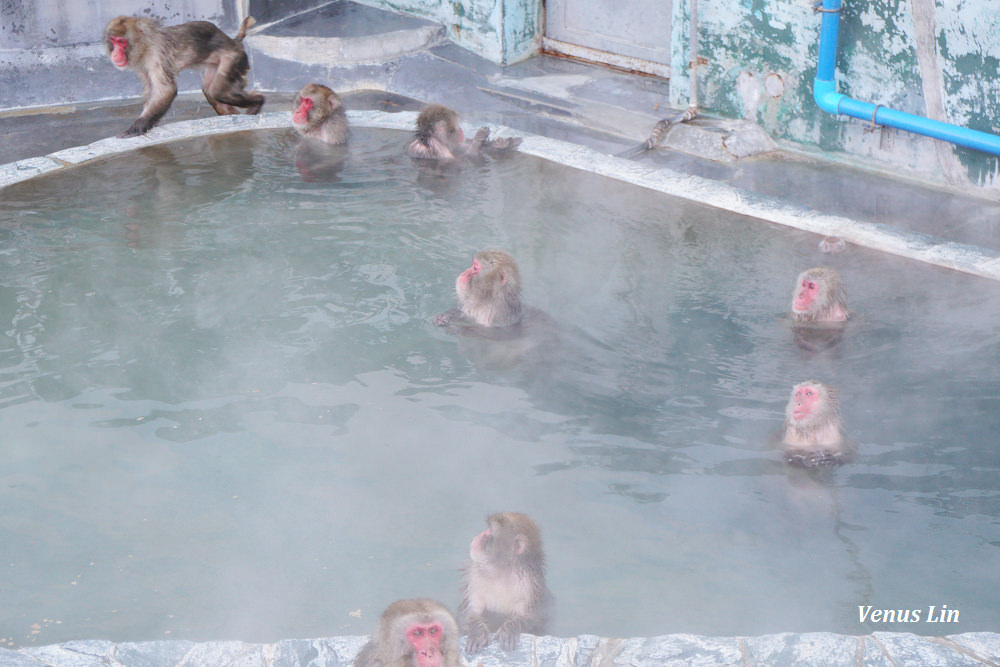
(247, 23)
(659, 130)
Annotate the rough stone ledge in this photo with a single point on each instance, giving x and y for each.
(932, 250)
(818, 648)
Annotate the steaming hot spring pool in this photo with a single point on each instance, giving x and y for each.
(225, 412)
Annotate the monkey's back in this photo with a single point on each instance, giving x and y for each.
(200, 43)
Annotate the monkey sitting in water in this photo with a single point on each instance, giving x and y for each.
(819, 309)
(819, 297)
(489, 292)
(812, 432)
(439, 137)
(495, 329)
(319, 114)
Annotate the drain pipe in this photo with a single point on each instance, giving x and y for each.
(661, 127)
(693, 58)
(829, 100)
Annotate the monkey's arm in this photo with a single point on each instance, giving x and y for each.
(473, 147)
(163, 90)
(502, 145)
(432, 149)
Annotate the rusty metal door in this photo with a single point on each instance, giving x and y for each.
(634, 34)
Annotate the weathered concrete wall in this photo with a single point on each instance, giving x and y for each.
(503, 31)
(63, 23)
(52, 51)
(938, 60)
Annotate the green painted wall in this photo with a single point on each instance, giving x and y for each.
(919, 56)
(503, 31)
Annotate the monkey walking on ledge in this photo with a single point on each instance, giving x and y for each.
(158, 54)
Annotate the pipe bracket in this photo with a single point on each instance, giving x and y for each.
(873, 126)
(818, 8)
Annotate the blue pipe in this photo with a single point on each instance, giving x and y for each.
(829, 100)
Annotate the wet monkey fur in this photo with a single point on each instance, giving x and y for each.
(439, 136)
(812, 434)
(489, 292)
(503, 587)
(319, 114)
(413, 633)
(819, 297)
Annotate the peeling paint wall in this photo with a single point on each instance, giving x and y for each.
(935, 59)
(503, 31)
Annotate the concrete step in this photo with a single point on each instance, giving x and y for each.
(342, 33)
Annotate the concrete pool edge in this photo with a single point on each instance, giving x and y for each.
(912, 245)
(820, 648)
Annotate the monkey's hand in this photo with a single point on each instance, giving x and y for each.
(139, 127)
(445, 319)
(482, 134)
(478, 637)
(509, 634)
(503, 144)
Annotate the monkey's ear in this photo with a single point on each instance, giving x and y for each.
(503, 277)
(520, 544)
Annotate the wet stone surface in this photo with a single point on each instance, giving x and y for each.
(827, 649)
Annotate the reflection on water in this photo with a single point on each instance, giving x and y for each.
(226, 413)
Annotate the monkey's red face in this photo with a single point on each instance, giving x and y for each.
(118, 55)
(425, 639)
(301, 114)
(808, 292)
(806, 401)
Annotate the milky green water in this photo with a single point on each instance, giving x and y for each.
(224, 413)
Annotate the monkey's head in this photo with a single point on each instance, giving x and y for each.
(489, 291)
(441, 123)
(418, 632)
(492, 271)
(511, 539)
(816, 290)
(313, 104)
(812, 403)
(117, 42)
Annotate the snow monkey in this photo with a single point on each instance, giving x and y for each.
(489, 292)
(413, 633)
(503, 587)
(319, 114)
(158, 54)
(819, 297)
(812, 432)
(439, 137)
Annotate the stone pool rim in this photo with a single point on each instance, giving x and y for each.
(925, 248)
(820, 648)
(811, 648)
